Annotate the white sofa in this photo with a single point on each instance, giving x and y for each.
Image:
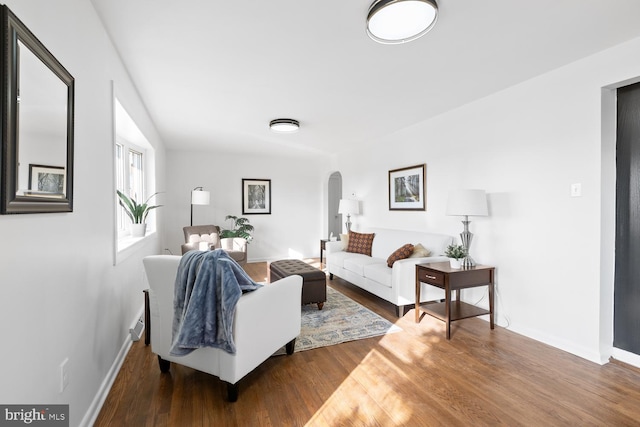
(265, 320)
(371, 273)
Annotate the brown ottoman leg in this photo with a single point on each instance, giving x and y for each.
(320, 305)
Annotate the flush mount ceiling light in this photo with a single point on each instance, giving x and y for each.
(284, 125)
(400, 21)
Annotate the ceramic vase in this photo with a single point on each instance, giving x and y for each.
(138, 230)
(227, 243)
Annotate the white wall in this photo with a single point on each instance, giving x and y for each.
(297, 220)
(60, 294)
(525, 146)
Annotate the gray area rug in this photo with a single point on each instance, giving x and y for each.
(341, 320)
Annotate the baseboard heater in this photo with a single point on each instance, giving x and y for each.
(136, 331)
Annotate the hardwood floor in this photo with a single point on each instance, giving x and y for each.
(414, 377)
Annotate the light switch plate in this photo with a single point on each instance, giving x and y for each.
(576, 190)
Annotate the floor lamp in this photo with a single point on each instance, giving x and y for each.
(467, 203)
(198, 197)
(348, 207)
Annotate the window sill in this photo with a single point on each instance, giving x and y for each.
(127, 245)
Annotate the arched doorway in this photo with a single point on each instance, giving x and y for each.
(334, 224)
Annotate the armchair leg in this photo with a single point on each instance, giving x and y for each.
(291, 346)
(164, 364)
(232, 392)
(330, 276)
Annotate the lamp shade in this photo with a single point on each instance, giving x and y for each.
(467, 202)
(400, 21)
(351, 207)
(200, 197)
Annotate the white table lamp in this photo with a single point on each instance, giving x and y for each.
(467, 203)
(349, 207)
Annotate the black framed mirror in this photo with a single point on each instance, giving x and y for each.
(37, 125)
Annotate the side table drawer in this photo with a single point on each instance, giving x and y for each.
(431, 277)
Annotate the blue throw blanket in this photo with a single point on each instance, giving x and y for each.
(207, 289)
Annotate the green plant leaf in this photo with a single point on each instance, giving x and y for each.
(455, 251)
(136, 212)
(240, 227)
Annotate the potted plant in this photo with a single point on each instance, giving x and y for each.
(137, 212)
(455, 253)
(240, 227)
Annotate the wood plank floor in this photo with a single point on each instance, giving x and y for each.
(414, 377)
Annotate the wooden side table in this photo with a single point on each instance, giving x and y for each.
(322, 248)
(441, 275)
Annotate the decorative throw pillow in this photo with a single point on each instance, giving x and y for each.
(401, 253)
(211, 238)
(420, 251)
(360, 243)
(344, 238)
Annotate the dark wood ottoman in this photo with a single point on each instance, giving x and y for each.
(314, 281)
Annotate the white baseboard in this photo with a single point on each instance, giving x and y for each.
(626, 357)
(560, 344)
(96, 405)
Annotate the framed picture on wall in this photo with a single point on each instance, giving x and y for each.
(46, 181)
(256, 196)
(407, 189)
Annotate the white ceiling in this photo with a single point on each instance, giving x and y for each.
(213, 74)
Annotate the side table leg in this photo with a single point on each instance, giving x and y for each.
(417, 298)
(447, 311)
(491, 292)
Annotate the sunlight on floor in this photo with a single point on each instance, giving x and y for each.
(429, 336)
(374, 393)
(360, 398)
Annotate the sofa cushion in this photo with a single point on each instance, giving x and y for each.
(401, 253)
(379, 273)
(360, 243)
(337, 258)
(420, 251)
(356, 263)
(344, 238)
(388, 240)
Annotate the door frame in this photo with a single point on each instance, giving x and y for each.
(608, 129)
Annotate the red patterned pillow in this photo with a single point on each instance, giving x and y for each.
(360, 243)
(401, 253)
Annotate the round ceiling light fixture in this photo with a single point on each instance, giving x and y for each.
(401, 21)
(284, 125)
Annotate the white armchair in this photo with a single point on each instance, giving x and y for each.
(265, 320)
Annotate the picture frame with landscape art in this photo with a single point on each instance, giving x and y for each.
(256, 196)
(47, 181)
(407, 189)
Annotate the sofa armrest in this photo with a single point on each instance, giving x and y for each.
(330, 247)
(266, 319)
(404, 279)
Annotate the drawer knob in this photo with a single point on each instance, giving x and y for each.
(430, 277)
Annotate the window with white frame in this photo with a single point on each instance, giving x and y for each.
(129, 178)
(133, 169)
